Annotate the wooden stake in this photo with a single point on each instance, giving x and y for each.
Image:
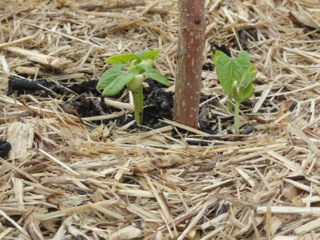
(189, 61)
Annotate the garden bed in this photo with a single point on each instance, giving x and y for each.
(80, 168)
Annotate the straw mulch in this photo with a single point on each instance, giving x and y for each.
(71, 178)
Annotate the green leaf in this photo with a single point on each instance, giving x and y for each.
(246, 87)
(154, 74)
(245, 94)
(247, 78)
(108, 76)
(157, 77)
(230, 70)
(118, 84)
(150, 54)
(126, 58)
(122, 58)
(236, 78)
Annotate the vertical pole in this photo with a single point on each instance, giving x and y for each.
(189, 61)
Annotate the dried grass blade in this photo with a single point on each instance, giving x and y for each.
(313, 211)
(2, 45)
(50, 157)
(308, 227)
(14, 223)
(286, 162)
(190, 129)
(246, 177)
(193, 222)
(18, 170)
(144, 214)
(60, 234)
(163, 205)
(297, 132)
(105, 211)
(300, 186)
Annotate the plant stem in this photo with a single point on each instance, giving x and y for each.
(138, 105)
(236, 117)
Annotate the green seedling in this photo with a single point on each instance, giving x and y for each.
(236, 78)
(130, 70)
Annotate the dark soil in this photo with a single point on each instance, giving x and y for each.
(83, 100)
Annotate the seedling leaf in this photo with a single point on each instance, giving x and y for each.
(230, 70)
(157, 77)
(247, 78)
(108, 76)
(138, 66)
(117, 84)
(236, 78)
(154, 74)
(246, 87)
(122, 58)
(245, 94)
(151, 54)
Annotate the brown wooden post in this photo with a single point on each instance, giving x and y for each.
(189, 61)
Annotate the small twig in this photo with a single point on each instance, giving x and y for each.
(108, 6)
(155, 10)
(147, 9)
(15, 41)
(49, 61)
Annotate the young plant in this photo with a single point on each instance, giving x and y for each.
(236, 78)
(130, 70)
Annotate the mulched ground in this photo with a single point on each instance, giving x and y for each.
(80, 168)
